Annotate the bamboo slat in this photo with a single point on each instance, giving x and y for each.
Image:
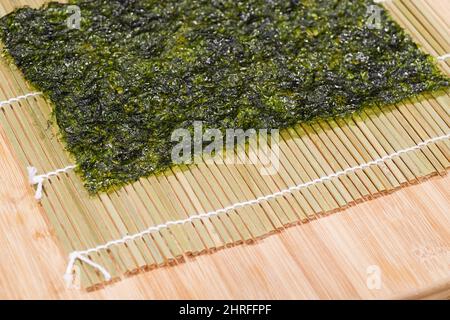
(307, 152)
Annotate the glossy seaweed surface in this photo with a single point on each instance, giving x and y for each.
(138, 69)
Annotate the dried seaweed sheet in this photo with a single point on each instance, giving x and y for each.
(136, 70)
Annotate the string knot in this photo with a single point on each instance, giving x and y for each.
(80, 255)
(36, 179)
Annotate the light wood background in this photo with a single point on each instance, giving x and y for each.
(405, 234)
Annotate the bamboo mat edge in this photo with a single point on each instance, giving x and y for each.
(221, 246)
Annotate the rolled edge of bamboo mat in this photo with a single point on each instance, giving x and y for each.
(82, 222)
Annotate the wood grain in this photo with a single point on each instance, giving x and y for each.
(405, 234)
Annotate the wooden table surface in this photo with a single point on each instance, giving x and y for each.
(405, 236)
(401, 239)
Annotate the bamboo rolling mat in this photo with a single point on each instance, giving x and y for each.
(307, 153)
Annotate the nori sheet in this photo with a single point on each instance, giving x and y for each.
(138, 69)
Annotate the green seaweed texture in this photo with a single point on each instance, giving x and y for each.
(136, 70)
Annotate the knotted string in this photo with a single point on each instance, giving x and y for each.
(68, 276)
(82, 255)
(38, 180)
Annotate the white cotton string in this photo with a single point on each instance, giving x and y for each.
(38, 180)
(444, 57)
(68, 276)
(82, 255)
(17, 99)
